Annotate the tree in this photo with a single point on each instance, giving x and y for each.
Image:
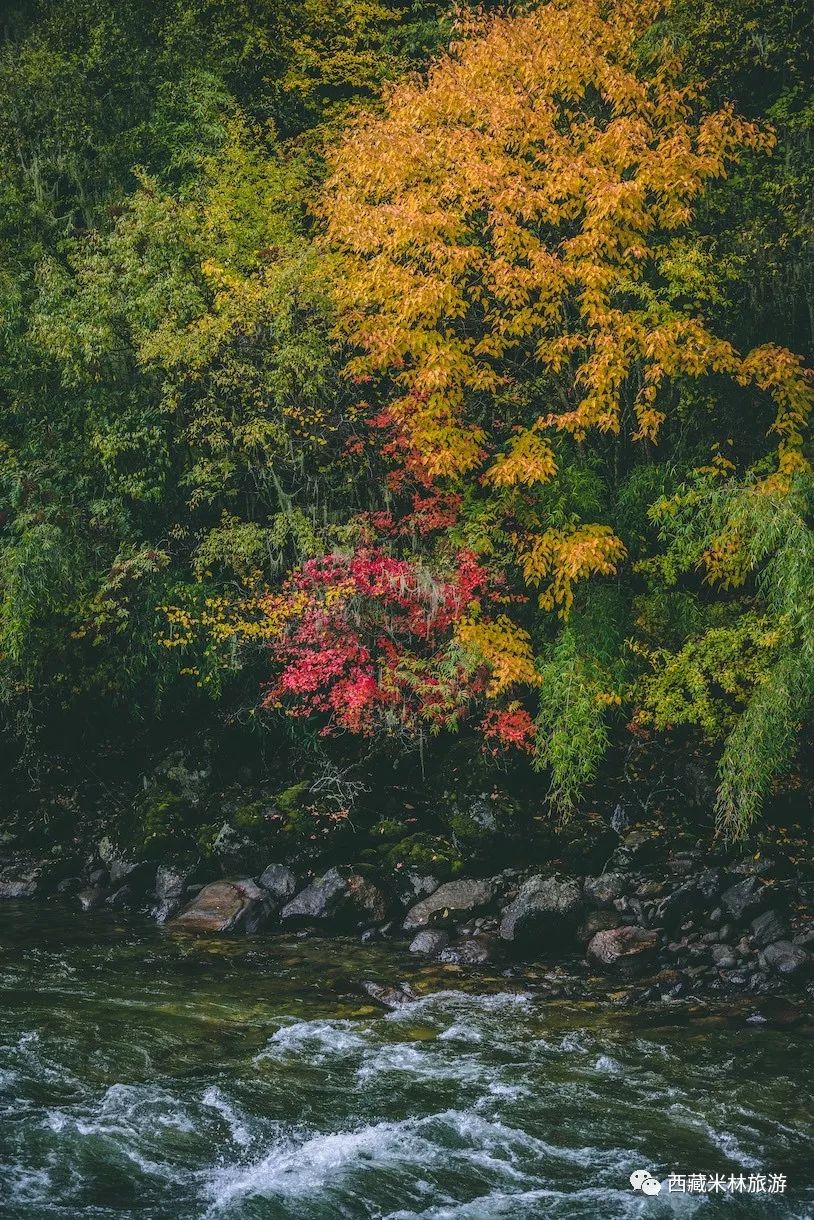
(515, 264)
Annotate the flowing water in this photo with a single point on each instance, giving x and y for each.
(147, 1076)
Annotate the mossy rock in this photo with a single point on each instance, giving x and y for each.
(426, 853)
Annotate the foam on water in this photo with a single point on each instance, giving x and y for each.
(239, 1081)
(320, 1040)
(314, 1164)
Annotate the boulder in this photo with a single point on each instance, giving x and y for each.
(345, 899)
(235, 849)
(454, 897)
(602, 891)
(693, 896)
(120, 899)
(121, 866)
(768, 928)
(476, 951)
(625, 949)
(596, 921)
(430, 942)
(544, 906)
(787, 959)
(170, 885)
(745, 899)
(19, 887)
(91, 898)
(642, 845)
(723, 957)
(389, 996)
(223, 907)
(279, 883)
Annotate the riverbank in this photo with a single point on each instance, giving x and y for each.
(659, 922)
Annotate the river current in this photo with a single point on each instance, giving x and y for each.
(151, 1077)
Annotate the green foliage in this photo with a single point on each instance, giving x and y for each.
(176, 435)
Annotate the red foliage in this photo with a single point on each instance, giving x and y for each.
(508, 728)
(364, 641)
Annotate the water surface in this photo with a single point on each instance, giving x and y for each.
(143, 1075)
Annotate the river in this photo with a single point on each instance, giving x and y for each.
(151, 1077)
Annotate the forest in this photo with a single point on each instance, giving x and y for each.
(398, 399)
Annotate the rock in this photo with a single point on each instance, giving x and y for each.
(745, 899)
(279, 883)
(366, 898)
(120, 866)
(422, 884)
(99, 876)
(596, 921)
(223, 907)
(120, 899)
(723, 957)
(235, 849)
(463, 896)
(619, 819)
(170, 884)
(694, 896)
(348, 900)
(19, 887)
(639, 846)
(389, 996)
(787, 959)
(623, 949)
(430, 942)
(768, 928)
(544, 906)
(603, 890)
(477, 951)
(90, 899)
(69, 885)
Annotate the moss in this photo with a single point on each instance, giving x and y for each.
(426, 853)
(166, 817)
(291, 800)
(250, 818)
(388, 829)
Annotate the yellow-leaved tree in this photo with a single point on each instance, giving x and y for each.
(514, 213)
(506, 234)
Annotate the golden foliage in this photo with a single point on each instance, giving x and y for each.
(564, 556)
(504, 648)
(524, 198)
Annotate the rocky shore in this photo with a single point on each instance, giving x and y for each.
(655, 924)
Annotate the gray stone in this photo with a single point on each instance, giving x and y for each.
(346, 900)
(279, 883)
(430, 942)
(696, 895)
(544, 906)
(623, 949)
(745, 899)
(477, 951)
(603, 890)
(170, 885)
(454, 897)
(224, 907)
(787, 959)
(118, 863)
(120, 899)
(596, 921)
(389, 996)
(768, 928)
(90, 899)
(19, 887)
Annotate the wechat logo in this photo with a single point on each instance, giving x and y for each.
(643, 1180)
